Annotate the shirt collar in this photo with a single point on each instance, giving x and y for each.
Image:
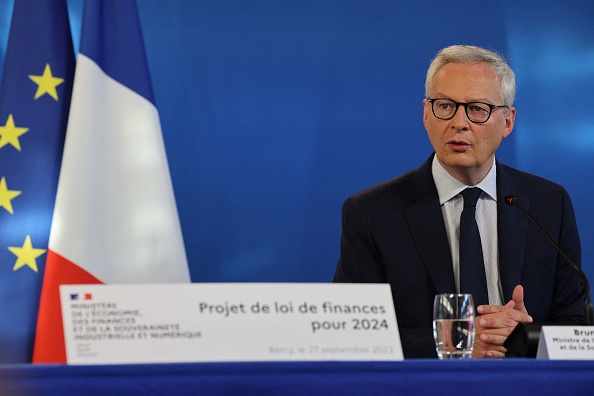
(448, 186)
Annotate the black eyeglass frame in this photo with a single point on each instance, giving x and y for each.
(458, 104)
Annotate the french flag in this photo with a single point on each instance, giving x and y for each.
(115, 219)
(85, 297)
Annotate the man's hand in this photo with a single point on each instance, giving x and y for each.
(496, 323)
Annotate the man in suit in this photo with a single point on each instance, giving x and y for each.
(405, 231)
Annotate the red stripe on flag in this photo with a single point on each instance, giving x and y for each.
(49, 337)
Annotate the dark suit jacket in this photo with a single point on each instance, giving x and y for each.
(394, 233)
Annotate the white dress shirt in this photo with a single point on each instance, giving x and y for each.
(452, 204)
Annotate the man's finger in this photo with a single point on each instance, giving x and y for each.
(493, 339)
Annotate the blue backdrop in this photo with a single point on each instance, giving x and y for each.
(273, 112)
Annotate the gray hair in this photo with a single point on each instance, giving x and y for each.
(472, 54)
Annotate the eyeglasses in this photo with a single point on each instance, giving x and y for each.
(477, 112)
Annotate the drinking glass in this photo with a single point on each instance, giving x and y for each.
(453, 325)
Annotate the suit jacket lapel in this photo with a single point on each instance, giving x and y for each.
(427, 227)
(511, 232)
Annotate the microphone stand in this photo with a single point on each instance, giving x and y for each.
(523, 341)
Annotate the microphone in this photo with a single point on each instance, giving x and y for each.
(511, 200)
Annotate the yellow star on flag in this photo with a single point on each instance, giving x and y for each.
(9, 133)
(46, 83)
(6, 196)
(26, 255)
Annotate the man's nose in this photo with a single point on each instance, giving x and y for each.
(460, 120)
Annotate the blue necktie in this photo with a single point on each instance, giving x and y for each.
(472, 265)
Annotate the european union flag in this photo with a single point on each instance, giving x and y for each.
(34, 104)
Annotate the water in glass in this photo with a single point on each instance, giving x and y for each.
(453, 338)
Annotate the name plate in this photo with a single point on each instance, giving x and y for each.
(214, 322)
(566, 343)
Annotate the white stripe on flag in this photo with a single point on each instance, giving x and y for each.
(115, 213)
